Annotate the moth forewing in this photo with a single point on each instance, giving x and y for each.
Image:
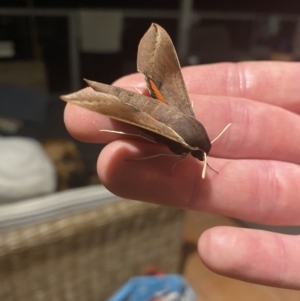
(116, 108)
(158, 61)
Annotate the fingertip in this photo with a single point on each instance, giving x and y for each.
(71, 114)
(110, 163)
(250, 255)
(84, 124)
(212, 247)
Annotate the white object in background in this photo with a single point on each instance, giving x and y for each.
(25, 169)
(55, 205)
(100, 31)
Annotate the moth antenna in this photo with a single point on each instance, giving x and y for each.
(129, 134)
(226, 127)
(183, 156)
(204, 166)
(205, 159)
(140, 92)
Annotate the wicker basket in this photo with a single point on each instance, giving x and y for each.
(88, 254)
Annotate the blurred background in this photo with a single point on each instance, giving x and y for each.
(51, 201)
(47, 47)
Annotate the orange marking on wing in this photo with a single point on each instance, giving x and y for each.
(156, 92)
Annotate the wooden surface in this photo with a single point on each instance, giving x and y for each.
(212, 287)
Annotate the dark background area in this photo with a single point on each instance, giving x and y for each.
(267, 6)
(235, 38)
(106, 67)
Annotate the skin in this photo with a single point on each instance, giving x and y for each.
(257, 159)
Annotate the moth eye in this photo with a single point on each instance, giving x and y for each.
(198, 154)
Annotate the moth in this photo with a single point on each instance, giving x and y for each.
(167, 116)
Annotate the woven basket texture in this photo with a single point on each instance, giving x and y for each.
(88, 255)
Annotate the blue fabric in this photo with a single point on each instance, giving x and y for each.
(23, 103)
(146, 288)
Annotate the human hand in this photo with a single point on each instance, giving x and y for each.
(257, 160)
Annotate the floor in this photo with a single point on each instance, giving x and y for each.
(212, 287)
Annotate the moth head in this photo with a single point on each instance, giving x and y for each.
(199, 154)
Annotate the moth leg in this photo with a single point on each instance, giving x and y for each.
(183, 156)
(129, 134)
(226, 127)
(205, 165)
(139, 91)
(211, 168)
(154, 156)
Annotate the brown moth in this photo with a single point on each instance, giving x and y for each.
(167, 116)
